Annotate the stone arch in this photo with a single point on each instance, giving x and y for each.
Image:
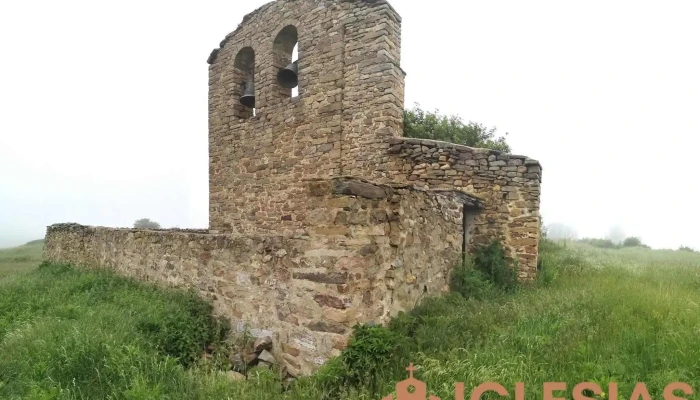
(283, 46)
(243, 75)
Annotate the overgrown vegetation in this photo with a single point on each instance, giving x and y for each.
(422, 124)
(78, 334)
(631, 241)
(575, 325)
(601, 243)
(485, 273)
(145, 223)
(593, 315)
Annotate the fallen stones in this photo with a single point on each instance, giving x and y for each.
(235, 376)
(257, 354)
(263, 343)
(266, 356)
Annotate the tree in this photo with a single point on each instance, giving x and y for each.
(632, 241)
(561, 231)
(145, 223)
(616, 235)
(432, 125)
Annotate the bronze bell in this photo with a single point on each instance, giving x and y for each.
(248, 98)
(288, 77)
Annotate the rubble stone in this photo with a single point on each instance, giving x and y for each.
(321, 215)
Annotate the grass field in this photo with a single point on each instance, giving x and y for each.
(20, 259)
(626, 315)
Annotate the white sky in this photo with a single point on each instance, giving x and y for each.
(103, 105)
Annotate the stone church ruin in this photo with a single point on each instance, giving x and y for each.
(321, 215)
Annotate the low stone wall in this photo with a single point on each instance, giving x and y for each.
(508, 185)
(369, 252)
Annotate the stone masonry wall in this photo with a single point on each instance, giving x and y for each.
(369, 252)
(349, 103)
(508, 185)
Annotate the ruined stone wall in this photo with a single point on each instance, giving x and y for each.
(349, 102)
(369, 252)
(508, 185)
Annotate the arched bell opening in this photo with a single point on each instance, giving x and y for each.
(285, 52)
(244, 83)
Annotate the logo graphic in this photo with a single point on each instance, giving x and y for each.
(411, 388)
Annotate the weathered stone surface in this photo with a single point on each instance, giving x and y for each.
(329, 301)
(321, 216)
(348, 107)
(506, 190)
(360, 189)
(331, 277)
(267, 357)
(235, 376)
(263, 343)
(330, 327)
(237, 362)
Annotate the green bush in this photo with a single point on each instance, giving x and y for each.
(601, 243)
(470, 282)
(433, 125)
(185, 335)
(485, 274)
(499, 269)
(369, 361)
(632, 241)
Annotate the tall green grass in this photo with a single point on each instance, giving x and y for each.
(622, 316)
(619, 315)
(20, 259)
(72, 334)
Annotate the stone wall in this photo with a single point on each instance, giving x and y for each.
(321, 214)
(349, 103)
(368, 251)
(508, 185)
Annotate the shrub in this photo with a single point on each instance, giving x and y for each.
(632, 241)
(145, 223)
(184, 335)
(501, 270)
(470, 283)
(432, 125)
(370, 360)
(485, 274)
(601, 243)
(686, 248)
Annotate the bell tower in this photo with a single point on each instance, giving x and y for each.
(264, 142)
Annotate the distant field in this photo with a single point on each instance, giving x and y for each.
(626, 316)
(22, 258)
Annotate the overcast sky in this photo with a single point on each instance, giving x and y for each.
(103, 105)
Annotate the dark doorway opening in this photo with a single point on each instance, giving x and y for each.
(468, 216)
